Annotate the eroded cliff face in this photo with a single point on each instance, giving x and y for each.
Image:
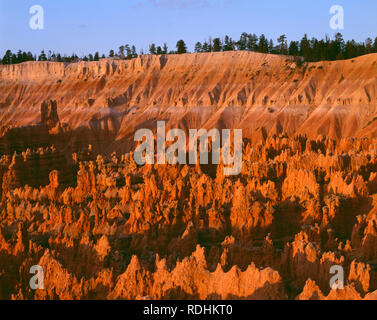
(103, 227)
(105, 101)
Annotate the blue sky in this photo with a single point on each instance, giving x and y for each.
(84, 26)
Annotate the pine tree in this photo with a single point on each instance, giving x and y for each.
(263, 44)
(282, 40)
(96, 56)
(350, 50)
(337, 47)
(29, 56)
(181, 47)
(293, 48)
(252, 41)
(165, 48)
(19, 58)
(7, 59)
(217, 45)
(121, 52)
(305, 47)
(198, 47)
(271, 47)
(74, 58)
(152, 49)
(133, 52)
(228, 44)
(205, 47)
(369, 45)
(210, 44)
(128, 52)
(42, 56)
(242, 43)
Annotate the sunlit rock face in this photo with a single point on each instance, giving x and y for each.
(73, 200)
(102, 103)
